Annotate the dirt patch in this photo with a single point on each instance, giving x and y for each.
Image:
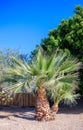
(14, 118)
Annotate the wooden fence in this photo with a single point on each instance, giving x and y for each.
(23, 100)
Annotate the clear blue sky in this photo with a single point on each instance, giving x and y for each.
(23, 23)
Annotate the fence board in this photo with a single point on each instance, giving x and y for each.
(23, 100)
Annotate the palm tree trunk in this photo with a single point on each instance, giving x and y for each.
(42, 105)
(54, 110)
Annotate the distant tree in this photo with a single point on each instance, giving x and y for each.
(5, 61)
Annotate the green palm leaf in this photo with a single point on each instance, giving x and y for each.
(57, 72)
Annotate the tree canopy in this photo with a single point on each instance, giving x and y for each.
(68, 37)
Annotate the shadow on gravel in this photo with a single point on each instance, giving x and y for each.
(16, 109)
(18, 112)
(29, 117)
(74, 109)
(1, 116)
(29, 113)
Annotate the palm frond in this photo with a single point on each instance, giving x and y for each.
(57, 72)
(64, 93)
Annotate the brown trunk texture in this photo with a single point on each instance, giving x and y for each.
(54, 109)
(42, 105)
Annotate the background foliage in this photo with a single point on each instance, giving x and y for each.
(68, 36)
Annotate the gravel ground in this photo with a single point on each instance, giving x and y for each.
(14, 118)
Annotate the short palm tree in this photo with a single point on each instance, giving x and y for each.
(61, 93)
(65, 82)
(52, 72)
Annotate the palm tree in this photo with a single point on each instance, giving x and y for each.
(43, 72)
(62, 93)
(65, 82)
(58, 73)
(24, 77)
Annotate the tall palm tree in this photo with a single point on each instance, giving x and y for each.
(43, 72)
(23, 76)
